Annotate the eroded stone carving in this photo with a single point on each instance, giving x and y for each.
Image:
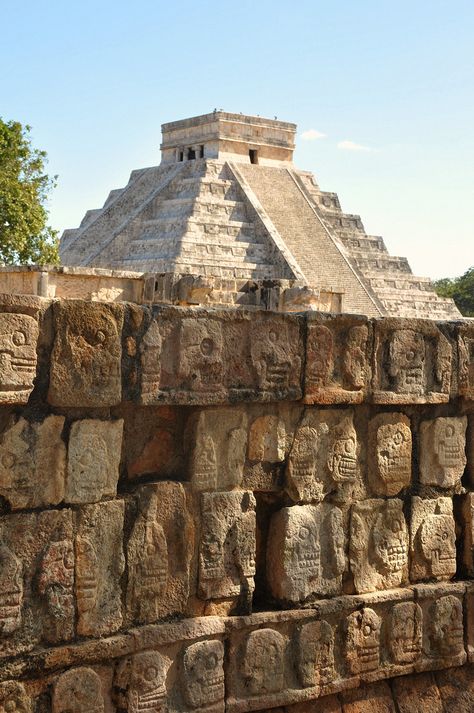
(79, 690)
(227, 548)
(267, 439)
(140, 683)
(150, 356)
(275, 355)
(390, 449)
(302, 470)
(432, 539)
(405, 634)
(85, 364)
(99, 567)
(407, 361)
(315, 654)
(305, 552)
(203, 682)
(14, 699)
(443, 451)
(18, 339)
(33, 463)
(55, 585)
(363, 641)
(378, 548)
(201, 354)
(466, 362)
(263, 664)
(11, 590)
(445, 628)
(342, 455)
(93, 460)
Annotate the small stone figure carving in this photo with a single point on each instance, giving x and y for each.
(407, 362)
(355, 357)
(11, 590)
(203, 682)
(264, 662)
(140, 683)
(79, 690)
(405, 638)
(390, 446)
(200, 366)
(204, 465)
(55, 584)
(363, 641)
(433, 539)
(443, 451)
(18, 339)
(302, 466)
(315, 654)
(14, 699)
(342, 455)
(446, 634)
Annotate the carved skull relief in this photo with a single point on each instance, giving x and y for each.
(390, 539)
(320, 362)
(446, 632)
(79, 690)
(87, 575)
(270, 356)
(406, 632)
(363, 641)
(204, 674)
(200, 356)
(438, 544)
(212, 549)
(205, 464)
(140, 683)
(11, 590)
(56, 577)
(442, 451)
(13, 698)
(18, 339)
(263, 665)
(302, 465)
(393, 456)
(342, 456)
(316, 654)
(355, 359)
(407, 362)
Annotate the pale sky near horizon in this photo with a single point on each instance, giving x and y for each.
(382, 92)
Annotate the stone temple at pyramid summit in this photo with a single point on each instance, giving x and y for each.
(228, 205)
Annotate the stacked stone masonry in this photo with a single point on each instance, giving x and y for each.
(221, 510)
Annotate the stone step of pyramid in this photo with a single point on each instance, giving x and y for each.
(381, 263)
(208, 268)
(395, 281)
(193, 187)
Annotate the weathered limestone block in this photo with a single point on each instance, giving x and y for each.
(218, 444)
(378, 547)
(86, 358)
(390, 449)
(337, 360)
(204, 357)
(315, 654)
(267, 439)
(99, 567)
(443, 451)
(263, 662)
(456, 689)
(203, 676)
(445, 632)
(78, 690)
(466, 361)
(412, 363)
(36, 586)
(362, 645)
(432, 539)
(305, 552)
(405, 634)
(324, 457)
(227, 547)
(33, 463)
(417, 694)
(18, 341)
(93, 464)
(159, 552)
(327, 704)
(376, 698)
(14, 699)
(140, 683)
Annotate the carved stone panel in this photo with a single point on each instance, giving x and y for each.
(405, 633)
(337, 360)
(412, 362)
(85, 363)
(445, 628)
(305, 552)
(227, 546)
(466, 361)
(33, 463)
(378, 548)
(432, 539)
(99, 567)
(159, 552)
(56, 586)
(362, 641)
(315, 654)
(263, 662)
(14, 699)
(79, 690)
(218, 445)
(267, 439)
(276, 356)
(140, 683)
(94, 454)
(390, 451)
(203, 675)
(443, 451)
(324, 457)
(18, 341)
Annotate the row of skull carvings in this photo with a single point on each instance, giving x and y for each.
(268, 662)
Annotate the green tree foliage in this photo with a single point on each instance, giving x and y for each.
(461, 289)
(25, 237)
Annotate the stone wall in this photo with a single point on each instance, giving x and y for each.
(230, 510)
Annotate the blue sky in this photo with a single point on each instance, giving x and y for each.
(97, 79)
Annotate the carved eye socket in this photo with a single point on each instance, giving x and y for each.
(207, 346)
(367, 630)
(19, 338)
(444, 535)
(8, 460)
(100, 336)
(398, 438)
(449, 431)
(211, 662)
(303, 533)
(150, 673)
(272, 336)
(410, 355)
(396, 525)
(349, 446)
